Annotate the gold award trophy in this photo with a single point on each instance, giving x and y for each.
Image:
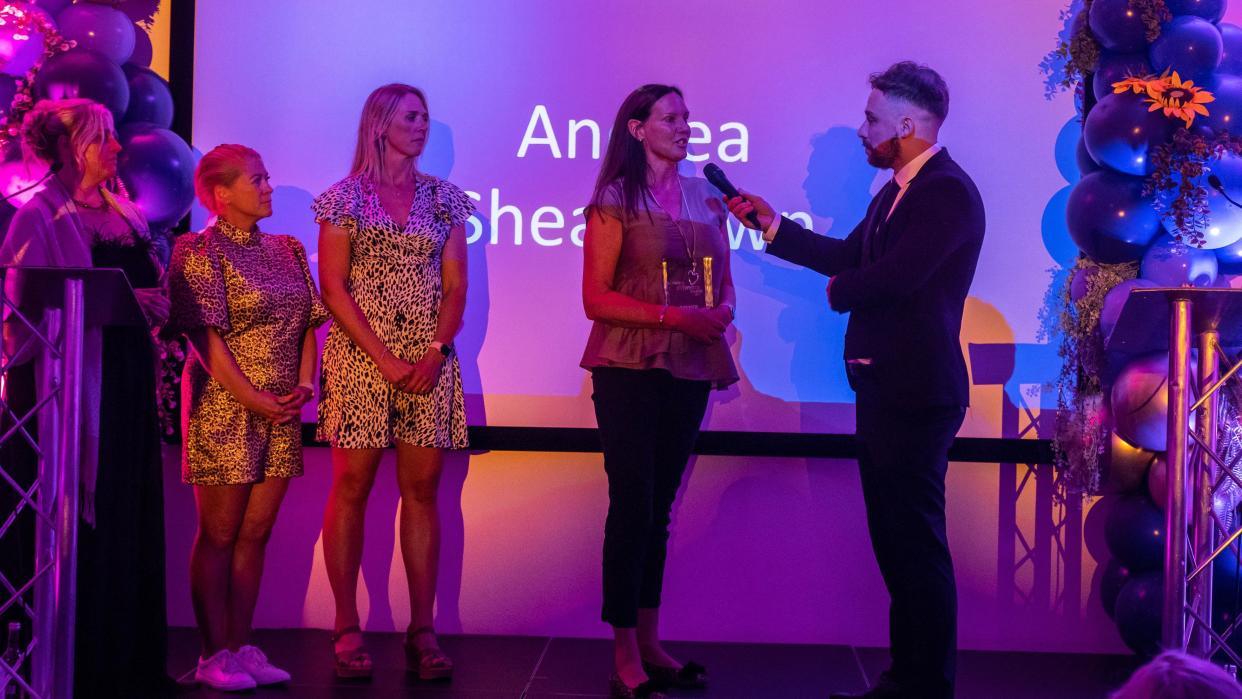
(685, 285)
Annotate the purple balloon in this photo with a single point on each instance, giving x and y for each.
(1121, 133)
(1141, 403)
(1086, 164)
(1117, 26)
(137, 10)
(1116, 66)
(1109, 218)
(99, 28)
(84, 73)
(1115, 300)
(149, 98)
(1231, 57)
(1190, 45)
(1169, 263)
(1211, 10)
(143, 51)
(158, 169)
(19, 52)
(1224, 218)
(1139, 604)
(52, 7)
(8, 88)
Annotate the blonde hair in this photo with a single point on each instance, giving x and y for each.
(221, 166)
(1176, 675)
(81, 121)
(377, 114)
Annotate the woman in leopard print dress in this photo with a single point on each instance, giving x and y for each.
(392, 263)
(247, 302)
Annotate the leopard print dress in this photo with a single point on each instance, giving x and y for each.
(256, 290)
(394, 277)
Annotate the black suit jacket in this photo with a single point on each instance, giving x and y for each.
(905, 299)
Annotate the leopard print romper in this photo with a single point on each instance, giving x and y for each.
(394, 277)
(256, 290)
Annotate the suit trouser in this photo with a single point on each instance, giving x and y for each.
(648, 422)
(903, 457)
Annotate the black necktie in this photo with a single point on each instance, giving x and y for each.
(886, 198)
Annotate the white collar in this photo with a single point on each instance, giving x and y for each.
(911, 169)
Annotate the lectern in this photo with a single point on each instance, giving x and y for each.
(47, 311)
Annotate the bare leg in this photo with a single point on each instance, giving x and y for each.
(221, 509)
(626, 655)
(649, 639)
(353, 473)
(248, 553)
(418, 479)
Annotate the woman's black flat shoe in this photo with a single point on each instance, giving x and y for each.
(618, 689)
(689, 676)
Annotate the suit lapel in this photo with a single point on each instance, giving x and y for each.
(878, 242)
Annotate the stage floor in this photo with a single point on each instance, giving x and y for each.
(491, 667)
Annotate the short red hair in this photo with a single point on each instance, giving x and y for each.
(221, 166)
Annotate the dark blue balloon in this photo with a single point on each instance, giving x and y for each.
(1231, 58)
(84, 73)
(1138, 612)
(1211, 10)
(1117, 26)
(1121, 133)
(1116, 66)
(150, 100)
(143, 51)
(1109, 218)
(1190, 45)
(158, 170)
(1134, 531)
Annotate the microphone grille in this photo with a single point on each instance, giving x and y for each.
(1215, 181)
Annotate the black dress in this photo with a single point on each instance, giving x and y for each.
(121, 613)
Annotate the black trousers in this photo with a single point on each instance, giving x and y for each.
(903, 457)
(648, 422)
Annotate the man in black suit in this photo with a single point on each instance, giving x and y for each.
(903, 275)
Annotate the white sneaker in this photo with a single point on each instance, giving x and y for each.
(222, 673)
(254, 662)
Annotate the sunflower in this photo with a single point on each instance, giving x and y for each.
(1183, 100)
(1131, 83)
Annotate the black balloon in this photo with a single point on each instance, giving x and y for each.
(1114, 577)
(1134, 531)
(1138, 612)
(1109, 218)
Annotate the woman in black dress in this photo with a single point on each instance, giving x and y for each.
(83, 219)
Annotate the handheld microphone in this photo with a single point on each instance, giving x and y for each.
(50, 171)
(716, 176)
(1220, 187)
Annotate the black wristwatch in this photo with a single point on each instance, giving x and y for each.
(445, 349)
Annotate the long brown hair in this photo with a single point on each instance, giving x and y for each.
(625, 161)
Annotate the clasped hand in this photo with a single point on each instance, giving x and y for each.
(154, 303)
(280, 410)
(419, 377)
(705, 325)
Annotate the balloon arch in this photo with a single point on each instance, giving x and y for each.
(100, 50)
(1158, 86)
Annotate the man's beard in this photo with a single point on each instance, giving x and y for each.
(884, 155)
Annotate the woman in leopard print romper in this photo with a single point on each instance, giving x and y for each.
(247, 303)
(392, 263)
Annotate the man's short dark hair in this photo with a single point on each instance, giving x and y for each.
(916, 84)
